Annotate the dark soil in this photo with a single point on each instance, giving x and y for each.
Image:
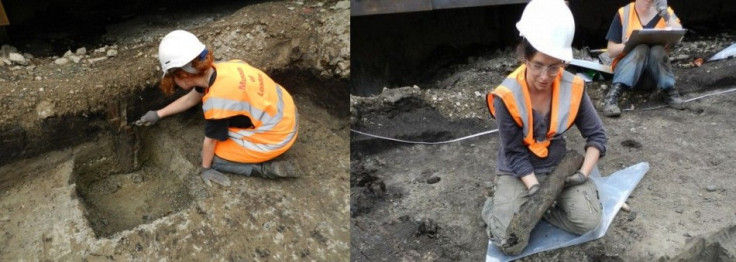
(684, 196)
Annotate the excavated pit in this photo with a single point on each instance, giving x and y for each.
(119, 192)
(132, 175)
(136, 175)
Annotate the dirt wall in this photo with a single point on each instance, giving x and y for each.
(48, 105)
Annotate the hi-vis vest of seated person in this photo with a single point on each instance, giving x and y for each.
(630, 22)
(567, 92)
(241, 89)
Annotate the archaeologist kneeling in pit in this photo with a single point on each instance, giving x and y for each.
(644, 65)
(535, 176)
(249, 119)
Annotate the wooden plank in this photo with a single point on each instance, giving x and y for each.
(446, 4)
(532, 211)
(375, 7)
(3, 17)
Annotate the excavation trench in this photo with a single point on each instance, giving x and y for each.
(135, 175)
(125, 181)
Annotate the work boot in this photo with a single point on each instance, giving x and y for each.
(610, 108)
(673, 99)
(277, 169)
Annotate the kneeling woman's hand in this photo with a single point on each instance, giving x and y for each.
(209, 174)
(575, 179)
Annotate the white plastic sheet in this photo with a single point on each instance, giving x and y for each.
(613, 191)
(725, 53)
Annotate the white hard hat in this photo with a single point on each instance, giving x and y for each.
(549, 26)
(177, 49)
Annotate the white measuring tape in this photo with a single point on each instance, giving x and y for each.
(688, 100)
(496, 130)
(426, 143)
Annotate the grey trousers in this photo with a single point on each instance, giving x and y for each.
(643, 60)
(245, 169)
(577, 209)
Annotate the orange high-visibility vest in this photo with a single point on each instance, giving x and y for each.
(630, 22)
(241, 89)
(567, 92)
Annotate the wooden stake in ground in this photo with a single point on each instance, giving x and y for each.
(532, 211)
(3, 16)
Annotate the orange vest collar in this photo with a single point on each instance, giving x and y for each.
(560, 121)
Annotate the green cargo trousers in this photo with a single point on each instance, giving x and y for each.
(577, 209)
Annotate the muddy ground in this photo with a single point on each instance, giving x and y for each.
(414, 202)
(78, 183)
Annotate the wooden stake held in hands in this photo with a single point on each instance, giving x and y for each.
(532, 211)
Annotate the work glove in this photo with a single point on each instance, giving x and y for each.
(661, 6)
(533, 190)
(575, 179)
(150, 118)
(209, 174)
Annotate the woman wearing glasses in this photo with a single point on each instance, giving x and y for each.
(533, 107)
(249, 118)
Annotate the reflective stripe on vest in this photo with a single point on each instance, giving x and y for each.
(240, 134)
(266, 121)
(243, 90)
(630, 21)
(567, 92)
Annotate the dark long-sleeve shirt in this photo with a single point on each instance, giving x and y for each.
(515, 158)
(615, 31)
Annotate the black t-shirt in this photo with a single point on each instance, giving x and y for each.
(615, 33)
(217, 128)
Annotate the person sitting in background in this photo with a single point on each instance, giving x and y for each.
(642, 60)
